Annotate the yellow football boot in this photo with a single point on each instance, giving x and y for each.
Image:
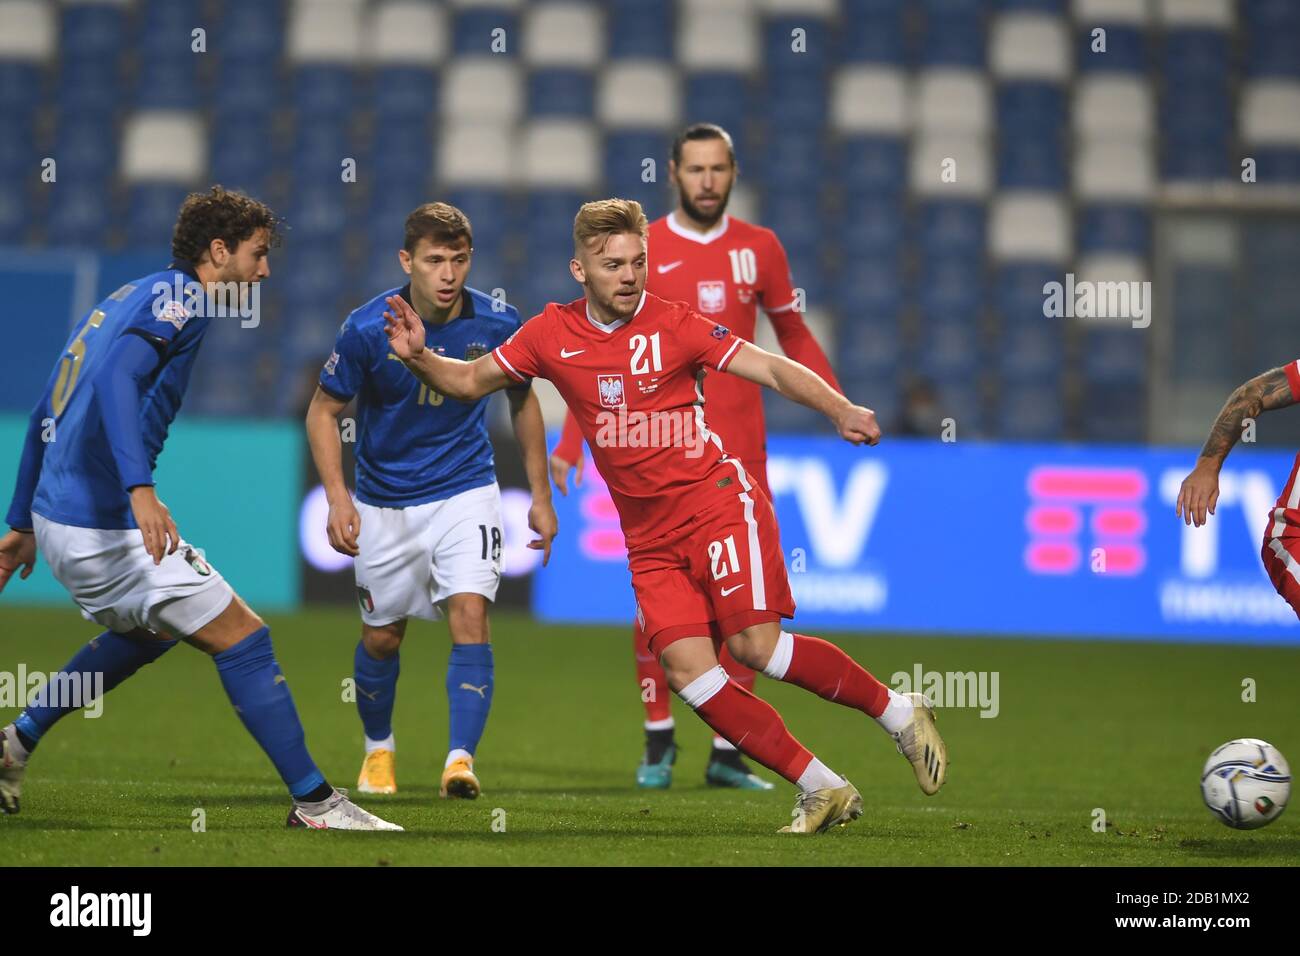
(378, 773)
(816, 811)
(458, 780)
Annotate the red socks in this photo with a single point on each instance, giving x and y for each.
(650, 677)
(751, 724)
(824, 669)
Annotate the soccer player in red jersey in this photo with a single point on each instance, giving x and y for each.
(703, 545)
(725, 268)
(1199, 493)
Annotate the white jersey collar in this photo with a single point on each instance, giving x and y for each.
(613, 327)
(704, 238)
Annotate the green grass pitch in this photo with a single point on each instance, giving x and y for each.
(1118, 726)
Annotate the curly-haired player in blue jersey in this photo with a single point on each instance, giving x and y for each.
(425, 528)
(86, 502)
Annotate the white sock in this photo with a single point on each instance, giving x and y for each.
(388, 743)
(14, 744)
(458, 754)
(665, 724)
(779, 662)
(898, 712)
(818, 776)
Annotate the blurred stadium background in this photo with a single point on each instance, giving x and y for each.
(1164, 148)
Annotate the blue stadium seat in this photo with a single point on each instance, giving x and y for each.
(85, 148)
(952, 227)
(943, 9)
(14, 210)
(781, 61)
(473, 30)
(788, 163)
(168, 84)
(1203, 301)
(949, 349)
(402, 94)
(402, 158)
(1125, 50)
(639, 30)
(78, 215)
(313, 284)
(867, 344)
(18, 158)
(1018, 290)
(241, 151)
(954, 39)
(952, 289)
(871, 224)
(795, 105)
(319, 212)
(1030, 412)
(91, 30)
(1273, 53)
(90, 85)
(1195, 56)
(1035, 6)
(250, 32)
(1196, 157)
(21, 88)
(150, 213)
(784, 416)
(1197, 109)
(874, 165)
(1028, 109)
(1115, 356)
(722, 98)
(1275, 164)
(321, 91)
(252, 88)
(871, 288)
(873, 32)
(1032, 162)
(492, 216)
(561, 93)
(1115, 228)
(318, 148)
(625, 152)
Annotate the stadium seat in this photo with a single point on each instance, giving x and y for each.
(872, 164)
(951, 288)
(406, 33)
(150, 213)
(1114, 413)
(795, 46)
(78, 215)
(1111, 11)
(29, 30)
(638, 95)
(1176, 14)
(242, 156)
(949, 350)
(247, 88)
(325, 31)
(476, 30)
(323, 91)
(713, 35)
(1029, 47)
(1270, 113)
(1031, 227)
(719, 97)
(403, 159)
(872, 31)
(796, 105)
(561, 92)
(871, 289)
(401, 94)
(1275, 164)
(639, 31)
(482, 89)
(89, 86)
(1125, 50)
(14, 211)
(1027, 108)
(1032, 163)
(626, 153)
(477, 154)
(1115, 356)
(954, 38)
(869, 100)
(79, 149)
(1112, 227)
(1030, 412)
(317, 150)
(1114, 171)
(1111, 105)
(561, 154)
(952, 228)
(967, 155)
(318, 212)
(870, 225)
(93, 30)
(567, 36)
(168, 84)
(250, 33)
(164, 146)
(952, 101)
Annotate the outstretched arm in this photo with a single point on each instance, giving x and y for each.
(530, 432)
(854, 423)
(463, 381)
(1200, 490)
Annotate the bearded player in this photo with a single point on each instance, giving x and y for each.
(726, 268)
(1199, 493)
(703, 545)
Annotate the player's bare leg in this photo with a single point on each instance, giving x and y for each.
(757, 730)
(821, 667)
(469, 691)
(240, 645)
(376, 666)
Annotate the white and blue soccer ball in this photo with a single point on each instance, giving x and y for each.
(1246, 783)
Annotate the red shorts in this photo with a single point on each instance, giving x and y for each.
(718, 574)
(1282, 562)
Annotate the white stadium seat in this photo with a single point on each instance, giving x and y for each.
(812, 8)
(950, 100)
(1030, 226)
(1101, 12)
(819, 324)
(638, 95)
(743, 203)
(1112, 106)
(1196, 13)
(409, 33)
(869, 99)
(561, 154)
(1114, 170)
(970, 154)
(490, 4)
(1111, 267)
(164, 146)
(1030, 46)
(477, 154)
(565, 35)
(718, 35)
(325, 31)
(27, 30)
(487, 88)
(1270, 112)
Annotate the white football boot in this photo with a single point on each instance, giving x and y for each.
(921, 744)
(335, 812)
(13, 764)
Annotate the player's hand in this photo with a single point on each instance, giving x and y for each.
(344, 527)
(543, 521)
(155, 523)
(560, 473)
(857, 425)
(404, 328)
(1199, 493)
(17, 550)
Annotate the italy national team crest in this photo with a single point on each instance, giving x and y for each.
(611, 390)
(367, 602)
(475, 350)
(195, 560)
(712, 297)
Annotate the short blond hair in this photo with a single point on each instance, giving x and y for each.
(607, 217)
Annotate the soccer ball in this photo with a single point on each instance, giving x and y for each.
(1246, 783)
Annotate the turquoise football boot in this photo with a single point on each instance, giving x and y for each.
(724, 774)
(657, 776)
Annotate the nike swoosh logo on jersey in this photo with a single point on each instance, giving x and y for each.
(565, 353)
(726, 591)
(669, 267)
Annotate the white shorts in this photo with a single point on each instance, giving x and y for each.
(413, 559)
(114, 580)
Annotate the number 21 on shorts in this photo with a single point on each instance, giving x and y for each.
(723, 564)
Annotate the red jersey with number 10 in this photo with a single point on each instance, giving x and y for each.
(634, 388)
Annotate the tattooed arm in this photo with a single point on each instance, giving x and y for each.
(1200, 490)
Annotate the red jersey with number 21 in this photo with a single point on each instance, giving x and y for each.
(634, 389)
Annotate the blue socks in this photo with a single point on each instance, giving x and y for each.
(260, 695)
(376, 691)
(469, 692)
(113, 655)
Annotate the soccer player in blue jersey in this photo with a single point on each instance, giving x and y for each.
(85, 501)
(425, 528)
